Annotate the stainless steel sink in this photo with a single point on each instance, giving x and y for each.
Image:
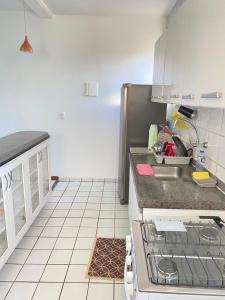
(167, 173)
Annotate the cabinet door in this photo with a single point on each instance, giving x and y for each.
(189, 57)
(44, 171)
(162, 55)
(209, 48)
(16, 186)
(34, 182)
(175, 58)
(181, 59)
(3, 231)
(156, 63)
(159, 91)
(194, 63)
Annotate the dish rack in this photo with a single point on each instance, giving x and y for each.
(172, 160)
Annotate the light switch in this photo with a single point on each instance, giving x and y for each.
(62, 115)
(91, 89)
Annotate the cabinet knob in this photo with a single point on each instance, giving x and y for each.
(128, 238)
(128, 260)
(128, 243)
(130, 289)
(128, 246)
(130, 277)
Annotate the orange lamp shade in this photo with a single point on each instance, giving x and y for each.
(26, 46)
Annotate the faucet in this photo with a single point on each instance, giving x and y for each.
(197, 143)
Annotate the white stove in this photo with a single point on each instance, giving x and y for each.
(176, 265)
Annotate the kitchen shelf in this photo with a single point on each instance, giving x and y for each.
(19, 209)
(34, 193)
(35, 204)
(2, 225)
(17, 185)
(33, 163)
(33, 172)
(19, 223)
(3, 246)
(34, 187)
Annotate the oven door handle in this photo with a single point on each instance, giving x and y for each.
(128, 278)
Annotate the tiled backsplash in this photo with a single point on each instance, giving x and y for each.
(211, 127)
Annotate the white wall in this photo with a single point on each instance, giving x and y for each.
(68, 50)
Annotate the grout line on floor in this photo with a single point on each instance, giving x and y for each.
(52, 247)
(78, 188)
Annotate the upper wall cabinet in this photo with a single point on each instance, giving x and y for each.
(194, 59)
(160, 91)
(159, 60)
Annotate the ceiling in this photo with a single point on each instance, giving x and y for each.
(111, 7)
(11, 5)
(155, 8)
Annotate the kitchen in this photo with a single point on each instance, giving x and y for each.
(60, 112)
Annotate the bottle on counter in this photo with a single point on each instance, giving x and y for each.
(153, 136)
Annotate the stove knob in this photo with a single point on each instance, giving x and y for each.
(128, 239)
(128, 260)
(130, 289)
(128, 247)
(130, 276)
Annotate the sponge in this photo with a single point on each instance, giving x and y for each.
(200, 175)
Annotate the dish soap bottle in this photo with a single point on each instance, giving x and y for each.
(153, 136)
(201, 156)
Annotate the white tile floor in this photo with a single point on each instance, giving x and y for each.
(51, 261)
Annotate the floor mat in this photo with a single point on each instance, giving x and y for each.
(108, 258)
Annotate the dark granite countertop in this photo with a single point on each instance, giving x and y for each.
(17, 143)
(181, 193)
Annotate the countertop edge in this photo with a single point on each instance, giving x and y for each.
(140, 202)
(14, 153)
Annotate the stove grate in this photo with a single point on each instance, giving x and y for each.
(197, 234)
(187, 270)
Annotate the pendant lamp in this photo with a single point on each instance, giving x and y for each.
(26, 46)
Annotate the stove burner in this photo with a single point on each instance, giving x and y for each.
(209, 234)
(168, 268)
(158, 235)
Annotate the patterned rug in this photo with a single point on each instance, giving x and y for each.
(108, 259)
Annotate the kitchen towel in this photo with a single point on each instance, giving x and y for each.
(144, 170)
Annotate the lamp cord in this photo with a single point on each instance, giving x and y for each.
(24, 15)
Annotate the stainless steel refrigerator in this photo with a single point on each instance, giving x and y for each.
(136, 115)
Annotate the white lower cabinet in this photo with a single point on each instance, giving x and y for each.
(44, 171)
(34, 182)
(24, 189)
(16, 188)
(135, 213)
(3, 231)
